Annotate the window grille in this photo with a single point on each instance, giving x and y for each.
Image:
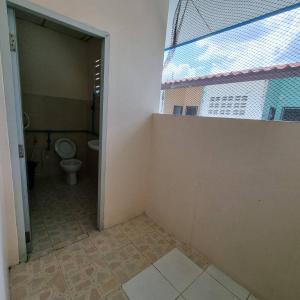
(97, 76)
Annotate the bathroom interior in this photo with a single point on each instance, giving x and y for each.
(61, 76)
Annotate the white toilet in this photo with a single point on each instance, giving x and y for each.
(66, 149)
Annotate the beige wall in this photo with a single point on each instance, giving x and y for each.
(231, 189)
(56, 77)
(137, 31)
(136, 51)
(52, 63)
(183, 97)
(56, 113)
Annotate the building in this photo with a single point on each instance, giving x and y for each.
(182, 101)
(259, 94)
(282, 100)
(241, 100)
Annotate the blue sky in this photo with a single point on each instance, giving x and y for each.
(272, 41)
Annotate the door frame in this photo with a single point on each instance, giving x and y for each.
(10, 102)
(12, 25)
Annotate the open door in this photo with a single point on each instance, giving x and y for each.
(20, 127)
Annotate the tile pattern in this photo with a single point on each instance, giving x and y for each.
(178, 269)
(96, 266)
(206, 287)
(150, 285)
(61, 214)
(228, 282)
(175, 276)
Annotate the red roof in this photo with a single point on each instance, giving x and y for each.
(266, 73)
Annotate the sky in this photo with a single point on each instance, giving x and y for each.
(272, 41)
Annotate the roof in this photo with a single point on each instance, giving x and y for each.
(266, 73)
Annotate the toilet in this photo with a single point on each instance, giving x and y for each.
(66, 149)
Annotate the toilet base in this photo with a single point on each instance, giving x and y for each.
(71, 178)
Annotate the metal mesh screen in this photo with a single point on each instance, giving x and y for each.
(249, 70)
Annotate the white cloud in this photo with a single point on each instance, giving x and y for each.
(174, 72)
(262, 51)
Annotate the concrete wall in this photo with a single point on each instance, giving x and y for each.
(231, 189)
(282, 93)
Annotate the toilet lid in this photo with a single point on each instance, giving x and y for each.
(65, 148)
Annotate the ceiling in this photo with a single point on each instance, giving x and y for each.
(52, 25)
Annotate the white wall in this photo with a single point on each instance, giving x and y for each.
(137, 29)
(230, 188)
(6, 187)
(254, 90)
(8, 243)
(3, 245)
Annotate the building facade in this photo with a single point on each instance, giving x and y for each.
(182, 101)
(283, 100)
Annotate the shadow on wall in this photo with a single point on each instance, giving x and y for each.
(230, 188)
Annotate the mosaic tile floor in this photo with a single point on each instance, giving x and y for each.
(95, 267)
(61, 214)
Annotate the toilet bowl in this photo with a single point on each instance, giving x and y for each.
(66, 149)
(71, 167)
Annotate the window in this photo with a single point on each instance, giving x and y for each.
(248, 71)
(191, 110)
(177, 110)
(272, 113)
(290, 114)
(97, 76)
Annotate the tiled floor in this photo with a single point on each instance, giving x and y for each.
(61, 214)
(175, 276)
(97, 266)
(71, 260)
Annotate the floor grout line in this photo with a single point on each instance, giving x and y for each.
(227, 287)
(139, 229)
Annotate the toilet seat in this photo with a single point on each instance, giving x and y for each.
(65, 148)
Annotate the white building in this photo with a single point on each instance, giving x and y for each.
(241, 100)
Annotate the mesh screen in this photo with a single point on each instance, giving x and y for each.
(250, 71)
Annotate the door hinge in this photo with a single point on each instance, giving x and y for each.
(21, 151)
(12, 42)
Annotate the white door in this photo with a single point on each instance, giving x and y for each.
(19, 112)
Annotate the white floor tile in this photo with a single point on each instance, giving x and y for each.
(178, 269)
(207, 288)
(230, 284)
(149, 285)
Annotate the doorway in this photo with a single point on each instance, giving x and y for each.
(60, 74)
